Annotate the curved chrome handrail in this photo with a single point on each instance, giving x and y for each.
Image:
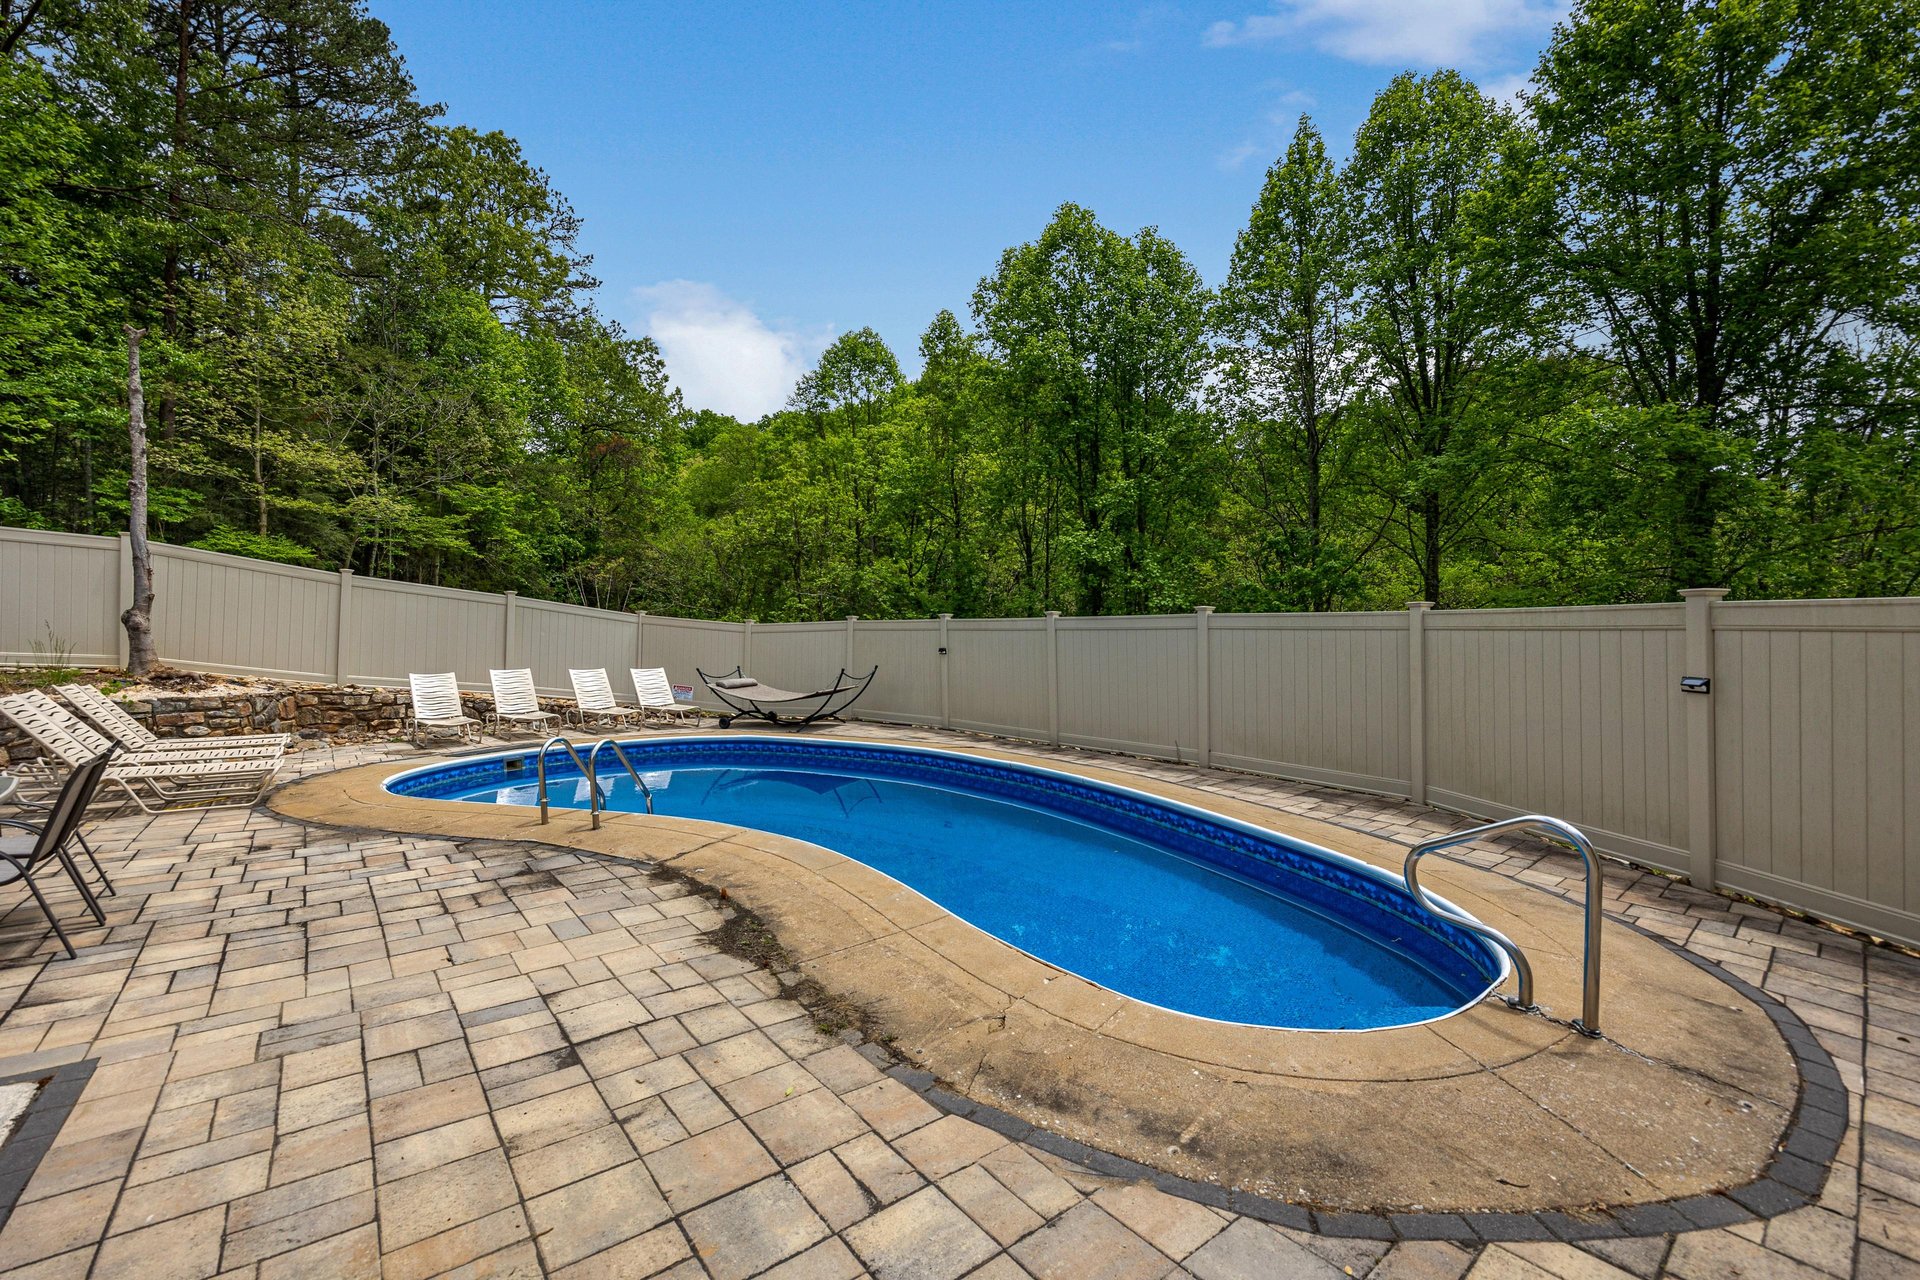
(593, 762)
(1589, 1023)
(593, 800)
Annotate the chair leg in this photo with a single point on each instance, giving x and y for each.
(52, 919)
(80, 883)
(98, 869)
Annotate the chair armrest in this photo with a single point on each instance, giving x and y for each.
(24, 826)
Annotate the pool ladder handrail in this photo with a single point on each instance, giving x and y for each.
(1589, 1022)
(588, 770)
(593, 798)
(593, 762)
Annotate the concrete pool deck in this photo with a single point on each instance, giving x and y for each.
(1489, 1110)
(320, 1052)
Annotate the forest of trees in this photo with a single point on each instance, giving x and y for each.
(1652, 327)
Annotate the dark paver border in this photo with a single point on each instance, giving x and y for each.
(1792, 1180)
(39, 1125)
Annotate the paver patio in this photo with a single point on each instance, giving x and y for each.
(321, 1053)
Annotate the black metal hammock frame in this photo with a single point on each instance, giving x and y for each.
(764, 702)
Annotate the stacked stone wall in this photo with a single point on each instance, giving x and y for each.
(318, 712)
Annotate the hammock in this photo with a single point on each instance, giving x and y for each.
(749, 698)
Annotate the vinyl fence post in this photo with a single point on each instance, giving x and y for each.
(1053, 676)
(121, 601)
(746, 645)
(1417, 700)
(640, 638)
(342, 627)
(946, 691)
(851, 619)
(1701, 837)
(506, 630)
(1202, 688)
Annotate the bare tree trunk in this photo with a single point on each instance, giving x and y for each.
(138, 619)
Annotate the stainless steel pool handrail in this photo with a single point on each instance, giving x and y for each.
(593, 764)
(1589, 1023)
(593, 800)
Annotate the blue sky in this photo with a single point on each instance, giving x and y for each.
(757, 178)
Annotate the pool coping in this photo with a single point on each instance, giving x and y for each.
(1793, 1178)
(1790, 1173)
(1119, 805)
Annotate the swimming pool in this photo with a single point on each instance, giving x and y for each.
(1169, 904)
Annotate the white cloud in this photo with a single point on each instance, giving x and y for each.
(1416, 32)
(721, 354)
(1507, 89)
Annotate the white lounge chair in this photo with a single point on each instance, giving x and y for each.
(593, 700)
(115, 721)
(87, 741)
(152, 780)
(655, 693)
(437, 708)
(515, 703)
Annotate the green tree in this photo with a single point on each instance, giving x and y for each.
(1733, 189)
(1104, 340)
(61, 360)
(1439, 310)
(845, 398)
(1291, 374)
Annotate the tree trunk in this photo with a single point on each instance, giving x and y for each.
(1695, 555)
(138, 619)
(1430, 550)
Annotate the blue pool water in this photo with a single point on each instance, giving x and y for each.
(1160, 902)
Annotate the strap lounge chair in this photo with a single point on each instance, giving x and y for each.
(85, 741)
(154, 781)
(655, 692)
(515, 703)
(116, 723)
(437, 709)
(593, 700)
(22, 857)
(749, 698)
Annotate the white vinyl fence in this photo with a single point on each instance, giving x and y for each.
(1795, 776)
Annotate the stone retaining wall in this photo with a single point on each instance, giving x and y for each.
(338, 713)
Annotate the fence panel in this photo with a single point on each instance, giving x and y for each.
(395, 628)
(1320, 696)
(1129, 684)
(682, 644)
(800, 656)
(1813, 787)
(223, 613)
(59, 598)
(1572, 712)
(551, 638)
(907, 688)
(998, 675)
(1817, 757)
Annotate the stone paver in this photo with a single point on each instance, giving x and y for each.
(353, 1054)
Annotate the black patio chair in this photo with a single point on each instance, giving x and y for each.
(24, 857)
(10, 798)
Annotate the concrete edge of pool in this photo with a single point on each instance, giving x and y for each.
(1487, 1110)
